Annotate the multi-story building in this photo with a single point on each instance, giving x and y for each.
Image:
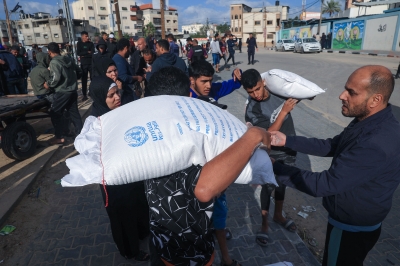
(192, 28)
(154, 16)
(263, 22)
(101, 14)
(4, 32)
(42, 31)
(353, 9)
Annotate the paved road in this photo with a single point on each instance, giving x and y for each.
(76, 230)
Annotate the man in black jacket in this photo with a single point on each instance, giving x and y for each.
(251, 48)
(112, 45)
(357, 189)
(25, 64)
(85, 51)
(97, 58)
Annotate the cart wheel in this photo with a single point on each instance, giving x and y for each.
(18, 141)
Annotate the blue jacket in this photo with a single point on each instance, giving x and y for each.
(166, 60)
(231, 44)
(125, 72)
(365, 170)
(221, 89)
(14, 70)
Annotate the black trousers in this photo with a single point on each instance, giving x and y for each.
(86, 71)
(250, 53)
(65, 107)
(128, 211)
(348, 248)
(398, 71)
(231, 55)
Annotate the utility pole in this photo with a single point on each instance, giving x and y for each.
(118, 19)
(320, 18)
(265, 26)
(162, 19)
(70, 28)
(10, 40)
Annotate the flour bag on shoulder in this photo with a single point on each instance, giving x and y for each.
(290, 85)
(158, 136)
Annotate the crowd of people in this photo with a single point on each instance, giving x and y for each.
(183, 211)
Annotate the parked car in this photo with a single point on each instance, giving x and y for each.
(307, 45)
(284, 45)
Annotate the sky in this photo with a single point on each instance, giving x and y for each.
(217, 11)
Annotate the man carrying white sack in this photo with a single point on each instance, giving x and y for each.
(262, 111)
(181, 204)
(357, 189)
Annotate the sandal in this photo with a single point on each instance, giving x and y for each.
(234, 263)
(262, 239)
(55, 141)
(142, 256)
(288, 225)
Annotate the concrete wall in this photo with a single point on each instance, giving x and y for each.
(302, 32)
(380, 33)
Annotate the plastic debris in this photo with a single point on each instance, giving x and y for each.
(303, 214)
(308, 209)
(312, 242)
(7, 230)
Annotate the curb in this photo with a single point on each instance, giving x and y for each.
(360, 53)
(13, 195)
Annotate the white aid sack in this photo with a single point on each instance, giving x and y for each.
(290, 85)
(158, 136)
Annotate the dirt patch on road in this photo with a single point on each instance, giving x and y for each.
(31, 211)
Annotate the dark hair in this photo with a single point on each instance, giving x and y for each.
(15, 47)
(170, 36)
(163, 44)
(104, 33)
(53, 47)
(122, 43)
(201, 68)
(189, 39)
(250, 78)
(382, 83)
(34, 46)
(147, 51)
(84, 33)
(169, 81)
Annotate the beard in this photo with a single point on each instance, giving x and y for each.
(359, 111)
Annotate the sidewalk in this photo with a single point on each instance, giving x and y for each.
(365, 52)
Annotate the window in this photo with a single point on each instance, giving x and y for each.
(4, 31)
(245, 22)
(240, 7)
(114, 12)
(90, 7)
(236, 16)
(270, 36)
(55, 35)
(102, 8)
(26, 26)
(45, 36)
(15, 31)
(168, 20)
(170, 13)
(124, 8)
(37, 34)
(29, 37)
(19, 27)
(102, 18)
(124, 18)
(236, 29)
(240, 29)
(175, 21)
(269, 22)
(126, 27)
(169, 29)
(91, 18)
(157, 21)
(240, 16)
(81, 8)
(257, 22)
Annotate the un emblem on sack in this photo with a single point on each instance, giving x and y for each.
(136, 136)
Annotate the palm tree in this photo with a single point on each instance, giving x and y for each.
(331, 7)
(149, 29)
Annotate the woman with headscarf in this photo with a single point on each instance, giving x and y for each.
(126, 205)
(108, 69)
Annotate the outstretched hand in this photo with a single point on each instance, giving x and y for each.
(278, 139)
(237, 75)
